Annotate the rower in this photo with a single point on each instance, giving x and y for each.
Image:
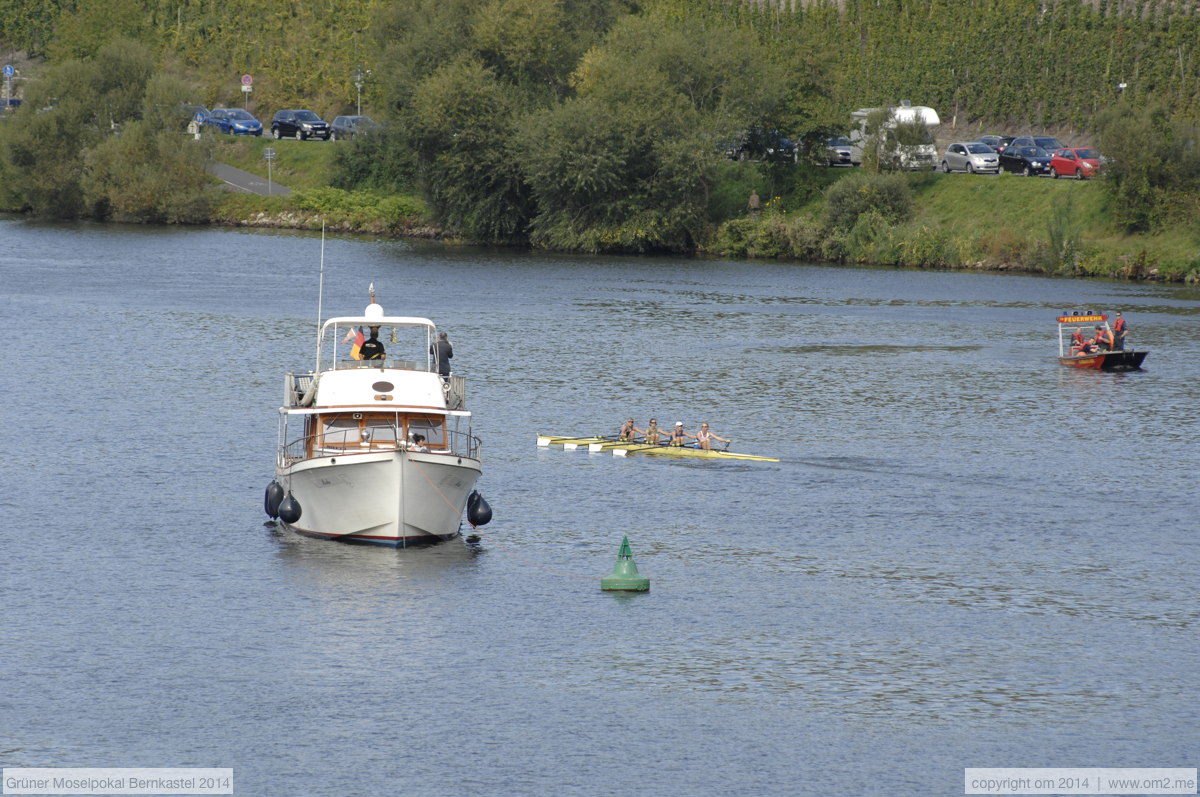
(704, 437)
(652, 432)
(627, 431)
(677, 435)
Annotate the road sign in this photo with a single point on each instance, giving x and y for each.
(247, 80)
(8, 70)
(247, 89)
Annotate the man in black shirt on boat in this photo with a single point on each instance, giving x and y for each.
(372, 349)
(442, 351)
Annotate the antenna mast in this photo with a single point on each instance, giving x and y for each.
(320, 297)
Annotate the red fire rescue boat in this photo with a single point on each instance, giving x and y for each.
(1085, 340)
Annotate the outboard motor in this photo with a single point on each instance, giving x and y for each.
(479, 513)
(271, 500)
(289, 509)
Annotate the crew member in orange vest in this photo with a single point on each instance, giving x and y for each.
(1076, 342)
(1119, 330)
(1104, 339)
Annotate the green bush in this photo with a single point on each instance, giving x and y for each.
(886, 195)
(360, 209)
(872, 239)
(377, 159)
(923, 247)
(732, 182)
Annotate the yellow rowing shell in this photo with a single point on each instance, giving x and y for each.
(683, 451)
(621, 449)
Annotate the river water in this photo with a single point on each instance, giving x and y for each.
(968, 556)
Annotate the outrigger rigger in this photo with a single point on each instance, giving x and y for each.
(1098, 352)
(568, 443)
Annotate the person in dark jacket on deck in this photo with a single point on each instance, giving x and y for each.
(442, 351)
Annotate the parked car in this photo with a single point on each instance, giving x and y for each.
(301, 124)
(347, 127)
(1048, 143)
(1025, 161)
(970, 156)
(761, 145)
(1077, 162)
(235, 121)
(838, 152)
(998, 143)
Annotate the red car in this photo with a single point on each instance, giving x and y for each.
(1077, 162)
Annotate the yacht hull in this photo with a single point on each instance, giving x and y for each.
(385, 498)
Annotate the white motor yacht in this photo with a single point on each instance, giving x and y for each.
(376, 450)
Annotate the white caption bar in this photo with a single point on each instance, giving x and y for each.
(116, 780)
(1080, 780)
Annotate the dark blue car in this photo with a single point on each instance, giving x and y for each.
(235, 121)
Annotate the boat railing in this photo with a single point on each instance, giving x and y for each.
(455, 389)
(344, 442)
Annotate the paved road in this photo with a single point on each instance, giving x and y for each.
(247, 183)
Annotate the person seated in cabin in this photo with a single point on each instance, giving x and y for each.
(1076, 341)
(704, 437)
(677, 435)
(652, 433)
(1103, 339)
(372, 349)
(627, 430)
(418, 444)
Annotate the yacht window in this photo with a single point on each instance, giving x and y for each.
(432, 428)
(339, 429)
(383, 430)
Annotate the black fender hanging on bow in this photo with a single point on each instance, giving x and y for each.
(479, 512)
(289, 509)
(272, 499)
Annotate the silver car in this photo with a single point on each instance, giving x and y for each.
(838, 152)
(970, 156)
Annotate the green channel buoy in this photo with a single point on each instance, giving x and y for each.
(624, 575)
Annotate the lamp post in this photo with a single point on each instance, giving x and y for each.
(269, 154)
(358, 84)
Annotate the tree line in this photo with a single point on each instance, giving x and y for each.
(592, 125)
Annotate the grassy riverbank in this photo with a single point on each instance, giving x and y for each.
(307, 168)
(959, 221)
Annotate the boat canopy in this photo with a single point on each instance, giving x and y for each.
(419, 351)
(377, 321)
(1076, 317)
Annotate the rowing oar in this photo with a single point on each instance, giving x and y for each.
(587, 441)
(609, 443)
